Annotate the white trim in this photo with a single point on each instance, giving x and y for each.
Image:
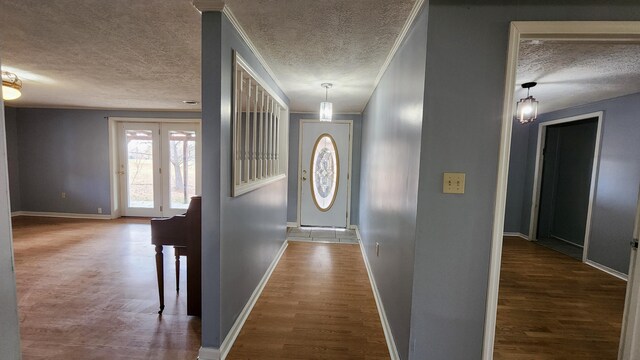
(386, 327)
(63, 215)
(208, 5)
(207, 353)
(244, 314)
(608, 270)
(114, 160)
(603, 30)
(291, 224)
(251, 46)
(501, 197)
(154, 119)
(516, 234)
(396, 45)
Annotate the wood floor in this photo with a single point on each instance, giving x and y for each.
(554, 307)
(87, 290)
(318, 304)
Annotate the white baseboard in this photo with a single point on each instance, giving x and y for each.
(393, 351)
(292, 224)
(237, 326)
(608, 270)
(62, 215)
(206, 353)
(355, 227)
(516, 234)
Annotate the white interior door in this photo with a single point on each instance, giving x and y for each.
(630, 336)
(324, 173)
(159, 167)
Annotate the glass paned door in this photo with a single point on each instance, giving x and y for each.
(181, 154)
(139, 169)
(159, 167)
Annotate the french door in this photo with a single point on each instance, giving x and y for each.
(159, 167)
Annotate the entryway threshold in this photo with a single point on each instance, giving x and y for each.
(322, 235)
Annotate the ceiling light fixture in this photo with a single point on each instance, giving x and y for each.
(527, 108)
(11, 86)
(326, 108)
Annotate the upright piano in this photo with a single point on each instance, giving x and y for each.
(184, 233)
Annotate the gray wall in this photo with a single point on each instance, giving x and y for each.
(11, 131)
(242, 235)
(61, 150)
(617, 178)
(391, 127)
(465, 76)
(9, 323)
(294, 146)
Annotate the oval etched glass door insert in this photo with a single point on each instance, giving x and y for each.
(325, 165)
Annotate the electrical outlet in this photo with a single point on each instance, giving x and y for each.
(63, 195)
(377, 249)
(453, 183)
(99, 210)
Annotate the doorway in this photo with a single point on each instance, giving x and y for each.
(520, 31)
(568, 156)
(324, 173)
(158, 167)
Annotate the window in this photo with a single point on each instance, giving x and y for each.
(260, 131)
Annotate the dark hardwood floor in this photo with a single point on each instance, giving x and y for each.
(318, 304)
(551, 306)
(87, 290)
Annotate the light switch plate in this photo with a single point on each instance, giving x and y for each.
(453, 183)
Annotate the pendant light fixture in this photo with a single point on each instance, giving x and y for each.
(527, 108)
(11, 86)
(326, 108)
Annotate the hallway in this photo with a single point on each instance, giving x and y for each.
(318, 304)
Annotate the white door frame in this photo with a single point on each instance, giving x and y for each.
(574, 30)
(114, 177)
(537, 177)
(629, 344)
(310, 121)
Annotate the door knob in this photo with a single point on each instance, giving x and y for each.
(304, 178)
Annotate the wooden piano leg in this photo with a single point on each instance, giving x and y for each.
(177, 270)
(160, 273)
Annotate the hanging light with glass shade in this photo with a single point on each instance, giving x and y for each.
(527, 108)
(326, 108)
(11, 86)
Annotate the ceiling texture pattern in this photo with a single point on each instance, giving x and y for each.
(123, 54)
(572, 73)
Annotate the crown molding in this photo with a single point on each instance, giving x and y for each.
(208, 5)
(399, 40)
(226, 11)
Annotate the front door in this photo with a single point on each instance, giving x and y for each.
(630, 337)
(324, 173)
(159, 167)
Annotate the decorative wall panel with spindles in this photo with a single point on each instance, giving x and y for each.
(260, 131)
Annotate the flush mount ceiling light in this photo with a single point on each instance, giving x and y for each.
(11, 86)
(326, 108)
(527, 108)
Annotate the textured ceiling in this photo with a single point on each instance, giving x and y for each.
(306, 43)
(103, 54)
(571, 73)
(146, 54)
